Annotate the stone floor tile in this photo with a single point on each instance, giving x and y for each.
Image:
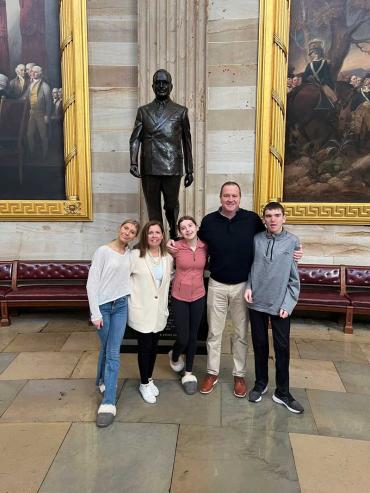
(366, 350)
(355, 376)
(69, 322)
(8, 392)
(341, 414)
(6, 336)
(314, 374)
(5, 360)
(327, 464)
(37, 342)
(31, 322)
(266, 415)
(81, 341)
(55, 400)
(26, 452)
(311, 329)
(219, 460)
(41, 365)
(360, 335)
(124, 458)
(331, 350)
(173, 405)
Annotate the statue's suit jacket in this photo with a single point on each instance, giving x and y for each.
(165, 141)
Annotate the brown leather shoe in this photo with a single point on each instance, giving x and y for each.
(240, 388)
(208, 383)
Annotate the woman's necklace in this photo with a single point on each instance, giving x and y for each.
(155, 260)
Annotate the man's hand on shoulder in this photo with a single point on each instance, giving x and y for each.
(188, 180)
(171, 247)
(298, 254)
(134, 170)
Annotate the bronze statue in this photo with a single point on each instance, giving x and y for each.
(162, 130)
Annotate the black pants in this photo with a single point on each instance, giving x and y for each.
(169, 186)
(188, 316)
(147, 354)
(280, 334)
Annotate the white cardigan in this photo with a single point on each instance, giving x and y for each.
(147, 304)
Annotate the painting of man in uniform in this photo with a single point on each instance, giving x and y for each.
(31, 101)
(327, 154)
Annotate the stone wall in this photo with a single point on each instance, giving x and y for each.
(231, 99)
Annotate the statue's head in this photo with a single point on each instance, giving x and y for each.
(162, 84)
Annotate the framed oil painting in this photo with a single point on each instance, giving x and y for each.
(313, 110)
(45, 165)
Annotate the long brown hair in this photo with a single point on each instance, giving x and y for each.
(143, 243)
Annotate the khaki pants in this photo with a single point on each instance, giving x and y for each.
(222, 297)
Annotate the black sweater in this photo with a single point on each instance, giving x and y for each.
(230, 244)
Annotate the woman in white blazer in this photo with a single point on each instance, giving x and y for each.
(151, 271)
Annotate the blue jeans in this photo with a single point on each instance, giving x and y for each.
(111, 334)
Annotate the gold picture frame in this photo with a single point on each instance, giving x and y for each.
(74, 64)
(270, 127)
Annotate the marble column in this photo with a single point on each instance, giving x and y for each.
(172, 34)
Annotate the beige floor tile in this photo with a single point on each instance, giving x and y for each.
(26, 453)
(331, 465)
(41, 365)
(315, 374)
(26, 323)
(331, 350)
(55, 400)
(8, 391)
(6, 337)
(74, 321)
(82, 341)
(366, 350)
(37, 342)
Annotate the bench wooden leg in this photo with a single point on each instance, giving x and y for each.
(5, 320)
(348, 324)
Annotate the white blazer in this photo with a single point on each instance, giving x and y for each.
(147, 304)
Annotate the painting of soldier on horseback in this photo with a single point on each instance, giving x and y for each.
(327, 152)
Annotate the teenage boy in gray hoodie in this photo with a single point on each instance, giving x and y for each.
(272, 293)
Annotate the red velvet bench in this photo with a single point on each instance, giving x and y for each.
(46, 283)
(323, 290)
(358, 289)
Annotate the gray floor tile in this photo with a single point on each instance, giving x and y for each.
(341, 414)
(266, 415)
(29, 322)
(8, 392)
(173, 405)
(122, 458)
(331, 350)
(220, 460)
(355, 376)
(55, 400)
(37, 342)
(5, 360)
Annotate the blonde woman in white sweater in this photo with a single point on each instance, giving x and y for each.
(148, 301)
(108, 287)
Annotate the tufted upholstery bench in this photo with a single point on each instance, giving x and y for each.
(46, 283)
(323, 289)
(6, 269)
(358, 288)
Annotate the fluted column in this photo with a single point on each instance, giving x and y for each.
(172, 35)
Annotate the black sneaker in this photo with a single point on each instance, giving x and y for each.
(256, 395)
(289, 402)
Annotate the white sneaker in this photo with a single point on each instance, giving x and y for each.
(178, 365)
(147, 393)
(155, 390)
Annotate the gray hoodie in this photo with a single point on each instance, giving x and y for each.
(274, 278)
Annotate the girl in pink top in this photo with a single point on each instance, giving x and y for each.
(188, 294)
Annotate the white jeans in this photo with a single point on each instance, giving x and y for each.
(222, 297)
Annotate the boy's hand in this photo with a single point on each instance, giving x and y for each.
(248, 296)
(171, 247)
(283, 313)
(98, 323)
(298, 254)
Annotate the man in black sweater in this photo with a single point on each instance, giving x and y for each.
(229, 234)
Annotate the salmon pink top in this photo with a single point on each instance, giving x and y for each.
(188, 282)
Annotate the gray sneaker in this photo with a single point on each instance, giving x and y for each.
(290, 403)
(256, 395)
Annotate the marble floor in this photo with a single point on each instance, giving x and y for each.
(212, 443)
